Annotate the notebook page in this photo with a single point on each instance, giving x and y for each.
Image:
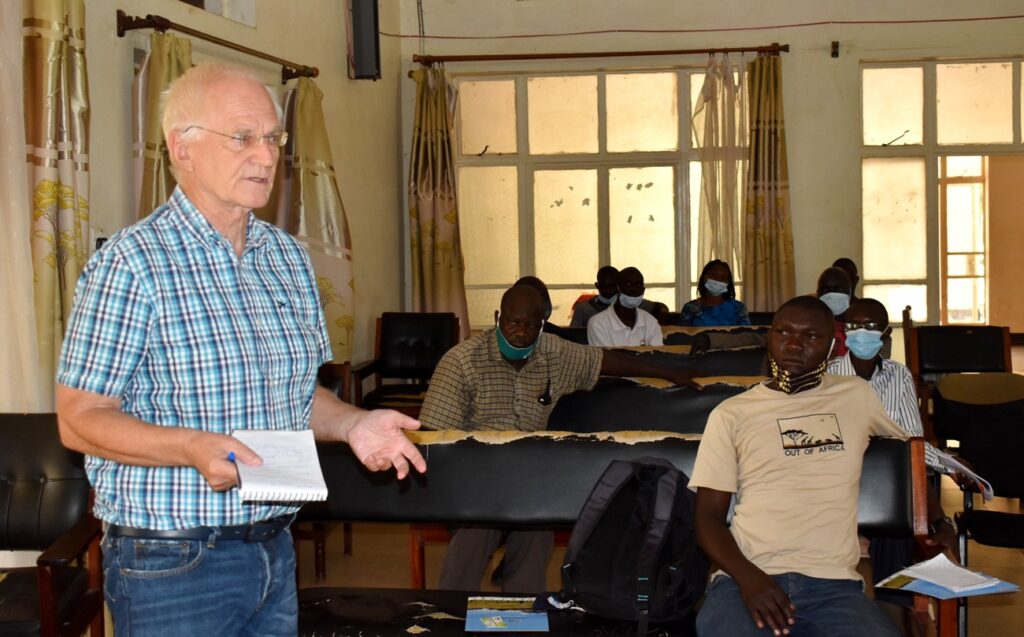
(290, 471)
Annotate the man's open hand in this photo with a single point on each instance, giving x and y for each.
(378, 439)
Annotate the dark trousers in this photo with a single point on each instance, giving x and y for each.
(526, 559)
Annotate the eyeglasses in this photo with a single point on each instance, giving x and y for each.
(867, 325)
(247, 141)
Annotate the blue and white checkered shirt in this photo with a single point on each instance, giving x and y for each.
(187, 334)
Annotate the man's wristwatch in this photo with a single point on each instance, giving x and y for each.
(933, 526)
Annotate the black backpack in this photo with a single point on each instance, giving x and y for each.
(633, 552)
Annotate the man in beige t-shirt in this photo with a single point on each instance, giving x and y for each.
(791, 451)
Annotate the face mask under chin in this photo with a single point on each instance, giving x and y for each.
(510, 351)
(791, 383)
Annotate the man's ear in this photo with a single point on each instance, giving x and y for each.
(495, 317)
(179, 152)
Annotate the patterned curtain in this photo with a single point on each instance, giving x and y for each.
(769, 272)
(168, 58)
(437, 264)
(307, 203)
(56, 136)
(21, 387)
(720, 133)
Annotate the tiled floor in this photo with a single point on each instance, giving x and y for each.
(380, 558)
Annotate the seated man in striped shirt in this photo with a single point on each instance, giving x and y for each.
(198, 320)
(867, 328)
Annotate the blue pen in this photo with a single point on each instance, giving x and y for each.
(231, 456)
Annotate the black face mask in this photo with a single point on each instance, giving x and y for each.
(795, 383)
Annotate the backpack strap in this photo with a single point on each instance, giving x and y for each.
(608, 485)
(657, 532)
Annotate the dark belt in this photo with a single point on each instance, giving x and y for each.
(255, 532)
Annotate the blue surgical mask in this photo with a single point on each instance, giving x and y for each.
(630, 302)
(510, 351)
(836, 301)
(864, 344)
(715, 288)
(608, 300)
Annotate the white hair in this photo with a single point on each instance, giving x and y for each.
(183, 100)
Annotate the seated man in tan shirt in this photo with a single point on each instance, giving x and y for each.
(509, 379)
(791, 451)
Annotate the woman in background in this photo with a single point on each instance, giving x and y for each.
(716, 302)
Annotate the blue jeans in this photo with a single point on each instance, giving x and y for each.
(193, 587)
(824, 608)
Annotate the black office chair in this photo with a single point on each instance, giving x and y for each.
(44, 502)
(409, 346)
(985, 412)
(937, 350)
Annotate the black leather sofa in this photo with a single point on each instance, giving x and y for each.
(537, 480)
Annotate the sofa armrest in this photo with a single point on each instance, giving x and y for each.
(72, 543)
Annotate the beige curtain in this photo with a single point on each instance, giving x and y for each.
(307, 203)
(21, 386)
(720, 133)
(437, 264)
(56, 135)
(769, 274)
(168, 58)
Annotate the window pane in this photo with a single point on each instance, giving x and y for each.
(643, 112)
(562, 301)
(965, 301)
(894, 218)
(965, 218)
(965, 265)
(963, 166)
(488, 208)
(487, 117)
(642, 221)
(565, 225)
(897, 297)
(662, 295)
(893, 106)
(562, 114)
(974, 102)
(482, 303)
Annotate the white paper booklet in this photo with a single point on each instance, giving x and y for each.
(290, 471)
(939, 570)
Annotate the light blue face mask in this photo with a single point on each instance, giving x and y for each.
(608, 300)
(836, 301)
(630, 302)
(864, 344)
(510, 351)
(715, 287)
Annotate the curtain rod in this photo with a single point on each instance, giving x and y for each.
(289, 70)
(428, 60)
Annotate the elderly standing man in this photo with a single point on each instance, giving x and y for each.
(196, 321)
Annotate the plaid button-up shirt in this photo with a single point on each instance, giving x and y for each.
(187, 334)
(475, 389)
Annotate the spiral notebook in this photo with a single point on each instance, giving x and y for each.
(290, 471)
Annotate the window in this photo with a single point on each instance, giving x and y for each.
(928, 129)
(559, 174)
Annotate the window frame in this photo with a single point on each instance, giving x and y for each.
(932, 152)
(603, 161)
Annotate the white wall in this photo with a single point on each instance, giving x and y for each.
(363, 117)
(822, 94)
